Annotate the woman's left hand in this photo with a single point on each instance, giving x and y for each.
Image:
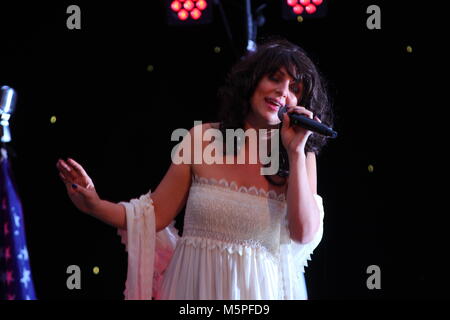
(294, 137)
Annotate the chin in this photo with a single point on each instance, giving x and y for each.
(267, 118)
(272, 119)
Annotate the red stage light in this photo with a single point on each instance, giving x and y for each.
(188, 5)
(196, 14)
(310, 8)
(175, 5)
(188, 12)
(201, 4)
(298, 9)
(183, 14)
(313, 9)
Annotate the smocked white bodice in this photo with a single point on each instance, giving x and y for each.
(235, 216)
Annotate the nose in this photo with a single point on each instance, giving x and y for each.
(283, 89)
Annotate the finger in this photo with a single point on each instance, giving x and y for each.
(63, 166)
(303, 110)
(77, 167)
(80, 190)
(66, 170)
(87, 181)
(74, 171)
(317, 119)
(290, 109)
(69, 184)
(64, 178)
(286, 121)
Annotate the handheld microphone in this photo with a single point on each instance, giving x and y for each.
(307, 123)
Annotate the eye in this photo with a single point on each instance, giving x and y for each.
(295, 87)
(273, 78)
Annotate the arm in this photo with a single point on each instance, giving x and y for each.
(171, 194)
(110, 213)
(303, 212)
(168, 198)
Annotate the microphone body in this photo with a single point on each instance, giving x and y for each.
(307, 123)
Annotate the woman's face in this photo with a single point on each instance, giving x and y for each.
(273, 92)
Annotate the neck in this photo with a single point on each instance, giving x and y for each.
(250, 123)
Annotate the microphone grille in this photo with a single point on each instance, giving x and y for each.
(281, 111)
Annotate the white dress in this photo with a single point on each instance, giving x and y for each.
(235, 245)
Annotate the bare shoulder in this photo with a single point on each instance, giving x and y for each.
(197, 133)
(211, 125)
(200, 130)
(206, 125)
(214, 125)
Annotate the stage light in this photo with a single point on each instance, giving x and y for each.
(196, 14)
(53, 119)
(291, 9)
(187, 12)
(175, 6)
(310, 8)
(188, 5)
(298, 9)
(201, 4)
(183, 15)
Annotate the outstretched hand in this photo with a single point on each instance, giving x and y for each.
(79, 185)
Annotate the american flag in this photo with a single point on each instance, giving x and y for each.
(15, 274)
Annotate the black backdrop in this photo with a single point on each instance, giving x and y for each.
(115, 117)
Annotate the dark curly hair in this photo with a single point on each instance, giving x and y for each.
(241, 82)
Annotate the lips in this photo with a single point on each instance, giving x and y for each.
(273, 104)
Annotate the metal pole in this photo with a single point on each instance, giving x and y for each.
(251, 31)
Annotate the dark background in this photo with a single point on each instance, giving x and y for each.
(116, 118)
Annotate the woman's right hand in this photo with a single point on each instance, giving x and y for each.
(79, 185)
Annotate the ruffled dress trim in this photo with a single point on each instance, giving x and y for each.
(294, 257)
(253, 190)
